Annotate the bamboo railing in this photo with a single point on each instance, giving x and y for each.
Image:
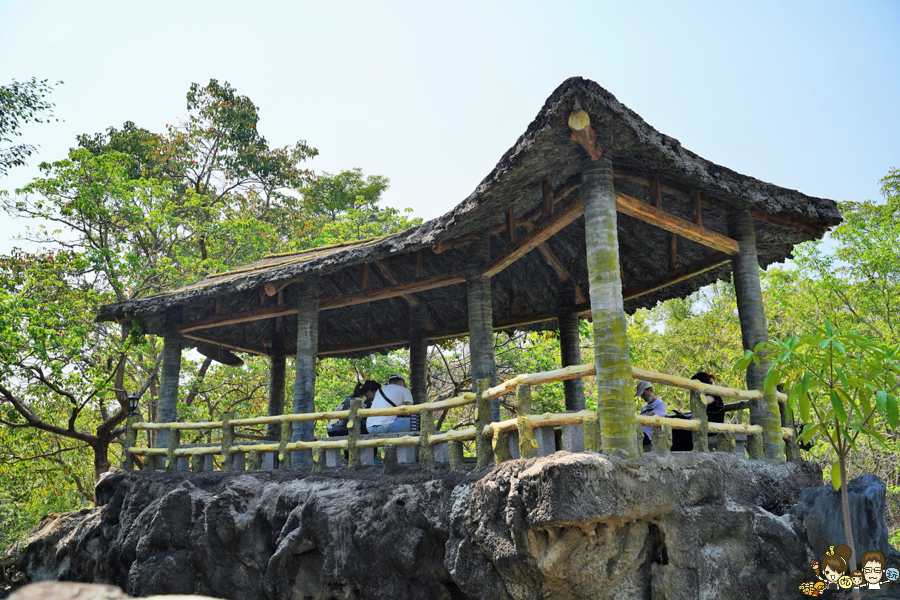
(496, 442)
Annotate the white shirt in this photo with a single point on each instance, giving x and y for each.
(397, 394)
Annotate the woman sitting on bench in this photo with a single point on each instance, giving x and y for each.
(365, 390)
(393, 394)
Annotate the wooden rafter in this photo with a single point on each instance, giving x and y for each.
(209, 339)
(387, 274)
(676, 276)
(650, 214)
(534, 239)
(789, 222)
(561, 272)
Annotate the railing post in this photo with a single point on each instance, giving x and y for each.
(698, 413)
(500, 444)
(353, 429)
(254, 460)
(389, 458)
(527, 442)
(725, 442)
(662, 440)
(483, 449)
(591, 434)
(174, 441)
(755, 446)
(130, 442)
(227, 441)
(318, 460)
(284, 457)
(455, 450)
(640, 439)
(426, 450)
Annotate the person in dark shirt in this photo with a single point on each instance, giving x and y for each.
(715, 408)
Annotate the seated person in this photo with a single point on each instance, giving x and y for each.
(652, 406)
(715, 408)
(393, 394)
(365, 390)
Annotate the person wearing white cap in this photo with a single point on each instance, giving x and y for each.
(393, 394)
(652, 406)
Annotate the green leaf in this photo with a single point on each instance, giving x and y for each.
(836, 475)
(838, 406)
(893, 411)
(881, 401)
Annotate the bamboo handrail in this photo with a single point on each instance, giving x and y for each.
(470, 433)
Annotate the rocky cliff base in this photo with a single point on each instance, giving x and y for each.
(568, 526)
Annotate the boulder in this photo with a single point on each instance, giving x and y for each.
(59, 590)
(821, 513)
(565, 526)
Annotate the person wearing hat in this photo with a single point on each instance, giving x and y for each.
(652, 406)
(393, 394)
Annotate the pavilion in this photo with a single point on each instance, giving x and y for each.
(591, 214)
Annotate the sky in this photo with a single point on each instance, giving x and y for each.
(431, 94)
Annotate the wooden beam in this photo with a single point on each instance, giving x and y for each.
(650, 214)
(365, 277)
(511, 225)
(392, 291)
(676, 276)
(655, 196)
(553, 226)
(257, 314)
(209, 339)
(783, 221)
(561, 272)
(697, 209)
(387, 274)
(583, 133)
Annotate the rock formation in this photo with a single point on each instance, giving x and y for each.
(567, 526)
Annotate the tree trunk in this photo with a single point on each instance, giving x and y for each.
(615, 407)
(752, 314)
(305, 379)
(570, 344)
(481, 318)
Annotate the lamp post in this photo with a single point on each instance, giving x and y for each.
(133, 400)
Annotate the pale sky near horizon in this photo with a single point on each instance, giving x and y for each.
(431, 94)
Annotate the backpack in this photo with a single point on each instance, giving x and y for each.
(341, 424)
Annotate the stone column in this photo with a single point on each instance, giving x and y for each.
(481, 320)
(752, 314)
(418, 354)
(305, 378)
(277, 370)
(615, 406)
(570, 343)
(169, 377)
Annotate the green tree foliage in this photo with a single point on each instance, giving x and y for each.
(126, 214)
(21, 103)
(840, 382)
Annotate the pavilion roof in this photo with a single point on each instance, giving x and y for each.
(536, 184)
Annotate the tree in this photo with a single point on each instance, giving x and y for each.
(21, 103)
(841, 381)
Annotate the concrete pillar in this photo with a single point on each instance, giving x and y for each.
(481, 319)
(305, 378)
(615, 405)
(418, 354)
(277, 370)
(169, 376)
(570, 343)
(752, 314)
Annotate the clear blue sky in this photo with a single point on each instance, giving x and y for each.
(430, 94)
